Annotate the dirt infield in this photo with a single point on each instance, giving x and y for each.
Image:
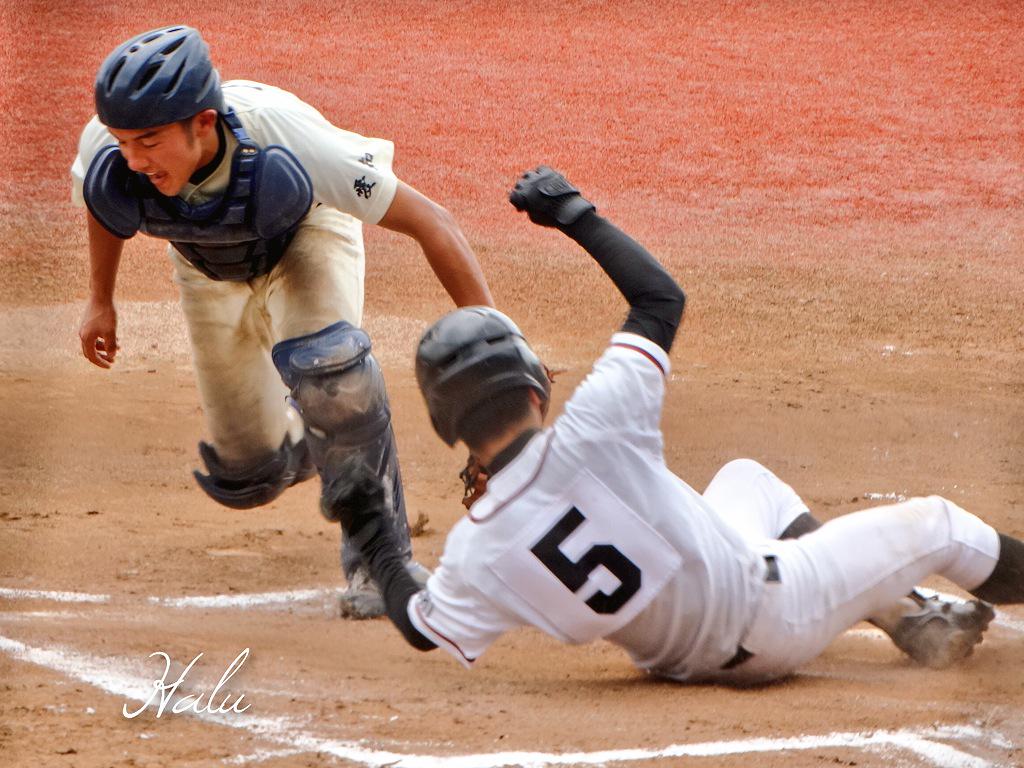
(839, 187)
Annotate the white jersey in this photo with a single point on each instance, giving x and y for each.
(350, 173)
(586, 534)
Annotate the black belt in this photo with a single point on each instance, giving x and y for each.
(771, 576)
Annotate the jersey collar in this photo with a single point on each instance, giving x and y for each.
(515, 475)
(510, 451)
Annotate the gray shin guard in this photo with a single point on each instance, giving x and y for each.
(338, 388)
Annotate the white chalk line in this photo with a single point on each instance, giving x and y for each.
(1004, 621)
(290, 733)
(919, 742)
(870, 633)
(261, 756)
(32, 615)
(251, 600)
(241, 600)
(297, 596)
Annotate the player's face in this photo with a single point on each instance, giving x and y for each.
(167, 154)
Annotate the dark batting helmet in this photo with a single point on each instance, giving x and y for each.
(158, 77)
(467, 357)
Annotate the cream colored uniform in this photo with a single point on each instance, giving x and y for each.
(586, 534)
(319, 281)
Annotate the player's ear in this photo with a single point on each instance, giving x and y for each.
(541, 404)
(204, 122)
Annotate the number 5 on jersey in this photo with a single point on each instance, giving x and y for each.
(587, 566)
(575, 574)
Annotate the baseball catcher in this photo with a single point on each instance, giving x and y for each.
(262, 200)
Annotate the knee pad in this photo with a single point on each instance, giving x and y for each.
(337, 386)
(255, 483)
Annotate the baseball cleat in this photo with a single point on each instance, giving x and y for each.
(942, 633)
(363, 600)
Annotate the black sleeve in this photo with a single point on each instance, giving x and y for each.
(655, 300)
(388, 570)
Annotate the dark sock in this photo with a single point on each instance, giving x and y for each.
(803, 524)
(1006, 584)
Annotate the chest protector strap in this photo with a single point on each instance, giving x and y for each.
(237, 236)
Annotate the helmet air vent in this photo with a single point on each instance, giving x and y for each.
(173, 84)
(175, 45)
(112, 78)
(149, 74)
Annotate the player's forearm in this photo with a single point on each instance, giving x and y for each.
(104, 259)
(452, 260)
(655, 300)
(445, 247)
(382, 556)
(398, 588)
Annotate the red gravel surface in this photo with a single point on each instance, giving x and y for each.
(839, 187)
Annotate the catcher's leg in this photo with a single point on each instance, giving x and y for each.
(314, 300)
(338, 387)
(256, 448)
(932, 631)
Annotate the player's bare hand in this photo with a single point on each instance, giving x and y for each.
(98, 334)
(548, 198)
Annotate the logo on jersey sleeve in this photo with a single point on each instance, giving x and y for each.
(588, 564)
(363, 187)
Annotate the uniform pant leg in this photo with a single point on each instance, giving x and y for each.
(320, 280)
(244, 401)
(753, 500)
(856, 565)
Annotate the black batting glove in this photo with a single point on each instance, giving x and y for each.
(356, 498)
(548, 198)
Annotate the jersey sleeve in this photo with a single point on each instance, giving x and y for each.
(455, 616)
(94, 137)
(350, 172)
(623, 394)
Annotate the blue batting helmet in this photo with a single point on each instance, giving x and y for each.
(158, 77)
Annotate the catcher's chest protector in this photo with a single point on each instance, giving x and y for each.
(239, 235)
